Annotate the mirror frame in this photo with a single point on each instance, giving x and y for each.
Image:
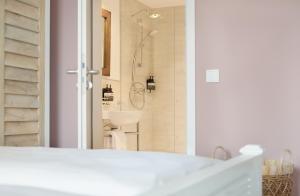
(106, 42)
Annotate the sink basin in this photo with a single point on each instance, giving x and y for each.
(119, 118)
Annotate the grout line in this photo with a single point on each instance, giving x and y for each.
(174, 95)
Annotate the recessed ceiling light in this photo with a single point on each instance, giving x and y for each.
(154, 15)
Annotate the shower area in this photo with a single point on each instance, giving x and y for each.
(153, 75)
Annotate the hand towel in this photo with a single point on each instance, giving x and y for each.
(119, 140)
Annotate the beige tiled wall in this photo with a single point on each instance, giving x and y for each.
(163, 102)
(169, 133)
(131, 34)
(180, 81)
(163, 122)
(114, 78)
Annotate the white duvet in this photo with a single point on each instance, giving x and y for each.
(31, 171)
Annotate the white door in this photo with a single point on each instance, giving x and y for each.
(89, 74)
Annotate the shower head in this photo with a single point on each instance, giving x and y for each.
(141, 44)
(150, 34)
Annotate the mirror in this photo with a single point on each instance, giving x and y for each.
(106, 42)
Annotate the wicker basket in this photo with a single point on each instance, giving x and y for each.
(277, 176)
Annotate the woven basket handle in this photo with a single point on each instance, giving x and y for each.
(220, 148)
(286, 158)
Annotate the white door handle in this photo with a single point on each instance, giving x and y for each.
(89, 85)
(72, 71)
(92, 72)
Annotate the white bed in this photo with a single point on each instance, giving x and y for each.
(47, 171)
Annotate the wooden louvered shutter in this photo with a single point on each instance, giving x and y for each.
(21, 72)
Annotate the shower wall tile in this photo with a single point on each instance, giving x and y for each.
(168, 142)
(163, 122)
(169, 115)
(163, 59)
(180, 81)
(130, 37)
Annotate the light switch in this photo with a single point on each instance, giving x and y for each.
(212, 76)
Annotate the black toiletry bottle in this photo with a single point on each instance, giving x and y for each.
(151, 83)
(110, 89)
(104, 91)
(110, 94)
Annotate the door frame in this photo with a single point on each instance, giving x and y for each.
(86, 62)
(81, 75)
(46, 133)
(190, 17)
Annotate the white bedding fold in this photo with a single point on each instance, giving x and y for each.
(93, 172)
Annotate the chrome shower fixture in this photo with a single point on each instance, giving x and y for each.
(151, 13)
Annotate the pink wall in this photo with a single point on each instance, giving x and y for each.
(63, 86)
(256, 46)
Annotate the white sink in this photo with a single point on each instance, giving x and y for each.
(119, 118)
